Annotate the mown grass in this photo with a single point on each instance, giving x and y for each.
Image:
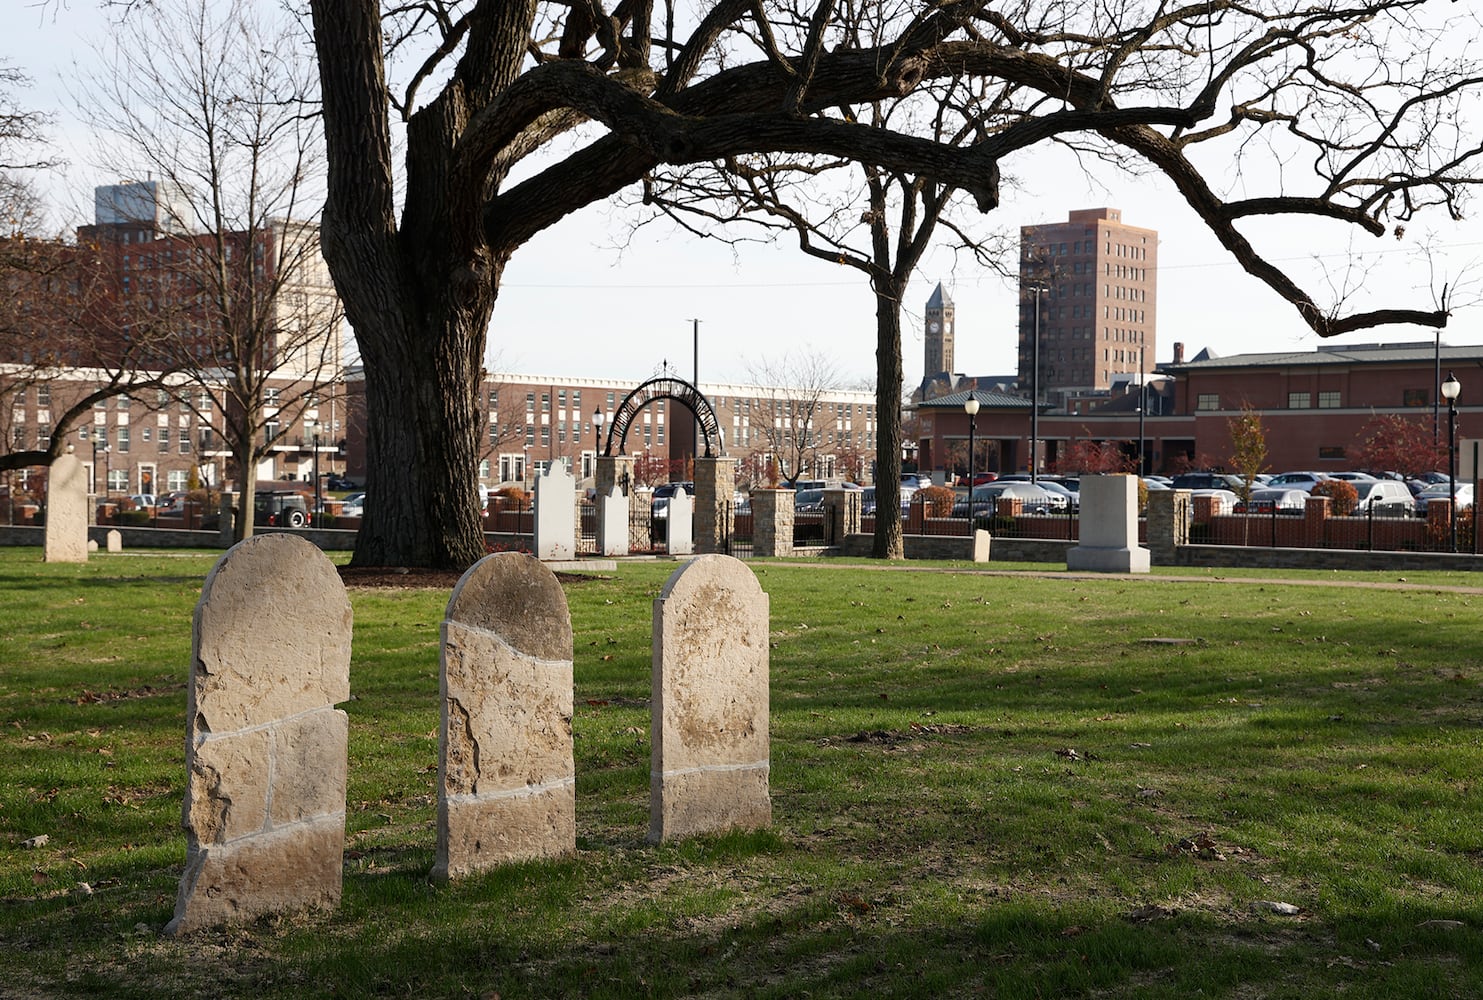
(982, 784)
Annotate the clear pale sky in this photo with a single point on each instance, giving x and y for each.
(571, 305)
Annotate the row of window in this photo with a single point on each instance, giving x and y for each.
(1295, 401)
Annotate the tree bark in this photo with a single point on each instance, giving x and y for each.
(889, 375)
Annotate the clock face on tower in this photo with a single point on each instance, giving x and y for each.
(934, 326)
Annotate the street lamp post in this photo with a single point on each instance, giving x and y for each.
(318, 496)
(1450, 389)
(1142, 406)
(95, 467)
(1037, 288)
(970, 407)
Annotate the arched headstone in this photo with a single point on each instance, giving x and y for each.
(709, 723)
(506, 775)
(265, 749)
(66, 535)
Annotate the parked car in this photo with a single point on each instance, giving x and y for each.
(1225, 500)
(1384, 497)
(1073, 496)
(808, 501)
(1281, 499)
(1206, 481)
(1034, 498)
(662, 494)
(280, 508)
(335, 481)
(868, 504)
(354, 505)
(1298, 480)
(1464, 497)
(143, 499)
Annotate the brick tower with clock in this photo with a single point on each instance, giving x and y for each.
(938, 335)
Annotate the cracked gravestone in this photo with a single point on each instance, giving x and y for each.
(506, 775)
(266, 748)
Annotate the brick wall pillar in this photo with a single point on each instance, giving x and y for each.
(715, 491)
(772, 523)
(842, 508)
(1168, 524)
(1315, 514)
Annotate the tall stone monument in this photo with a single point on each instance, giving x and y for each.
(709, 721)
(506, 773)
(1109, 527)
(66, 511)
(265, 746)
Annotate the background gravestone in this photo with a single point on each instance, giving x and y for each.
(555, 514)
(680, 524)
(709, 723)
(506, 775)
(66, 512)
(265, 748)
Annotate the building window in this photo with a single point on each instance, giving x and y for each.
(164, 439)
(118, 480)
(43, 395)
(176, 480)
(1415, 397)
(545, 402)
(185, 442)
(1330, 400)
(1298, 401)
(530, 402)
(1208, 401)
(123, 439)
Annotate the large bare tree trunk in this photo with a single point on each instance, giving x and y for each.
(889, 374)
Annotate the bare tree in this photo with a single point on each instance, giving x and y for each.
(791, 409)
(58, 354)
(587, 100)
(215, 106)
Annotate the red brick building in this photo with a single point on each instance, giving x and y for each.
(1314, 406)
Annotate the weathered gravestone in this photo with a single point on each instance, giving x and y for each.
(265, 748)
(66, 535)
(506, 776)
(709, 723)
(115, 540)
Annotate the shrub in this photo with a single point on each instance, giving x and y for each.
(1342, 495)
(938, 500)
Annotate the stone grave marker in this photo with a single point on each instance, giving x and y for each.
(115, 540)
(66, 535)
(506, 774)
(266, 748)
(680, 524)
(555, 514)
(709, 722)
(1109, 527)
(612, 523)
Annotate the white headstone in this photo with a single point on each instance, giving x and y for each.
(115, 540)
(680, 523)
(612, 523)
(555, 514)
(66, 511)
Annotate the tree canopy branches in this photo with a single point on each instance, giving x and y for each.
(516, 115)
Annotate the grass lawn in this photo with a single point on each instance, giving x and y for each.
(983, 785)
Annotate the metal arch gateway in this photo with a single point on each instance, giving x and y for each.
(664, 387)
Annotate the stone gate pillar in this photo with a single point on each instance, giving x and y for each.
(715, 515)
(842, 509)
(1168, 524)
(615, 470)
